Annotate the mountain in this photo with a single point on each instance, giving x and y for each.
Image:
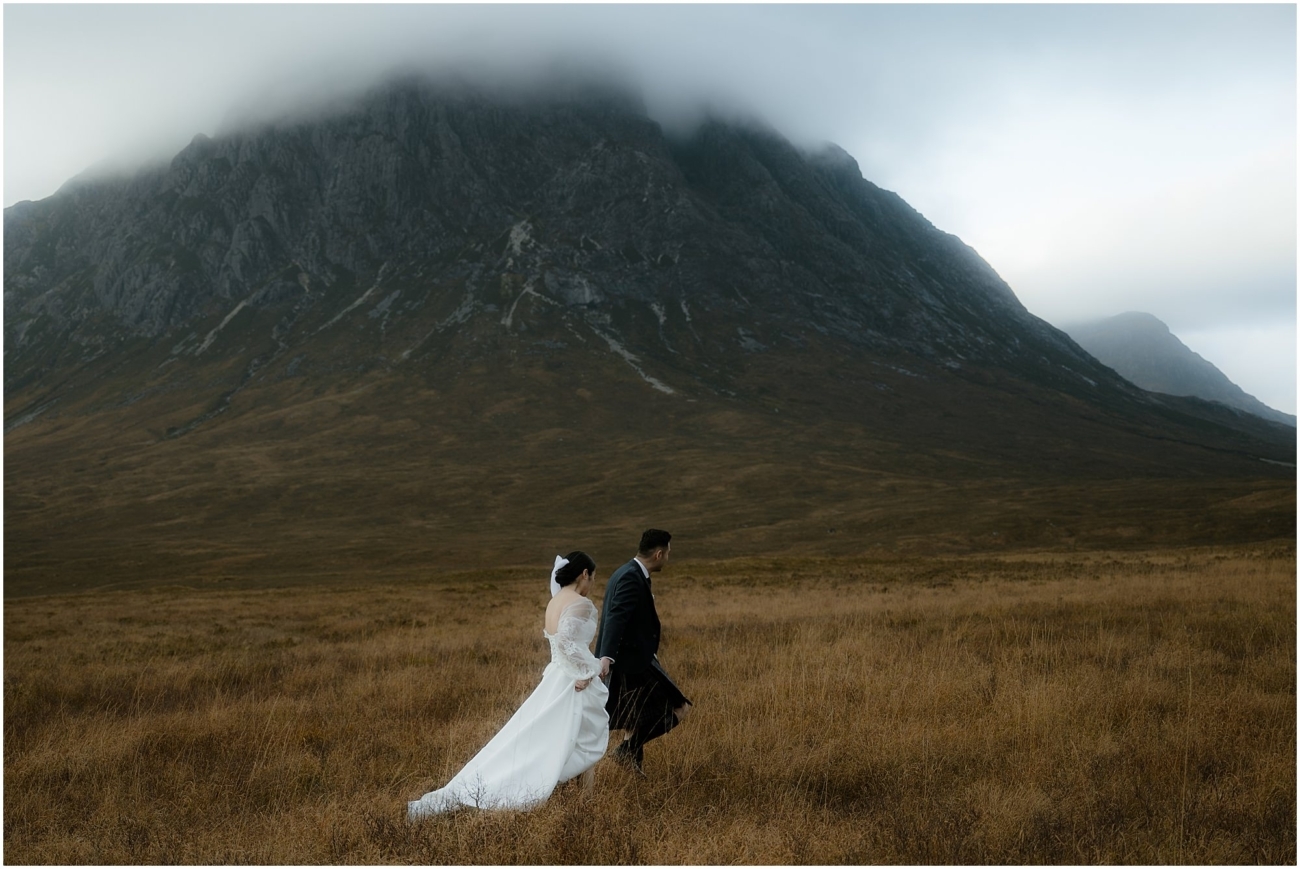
(442, 327)
(1143, 350)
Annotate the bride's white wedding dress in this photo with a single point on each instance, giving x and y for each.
(558, 733)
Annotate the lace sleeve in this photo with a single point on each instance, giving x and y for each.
(573, 639)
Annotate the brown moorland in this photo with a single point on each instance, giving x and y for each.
(1101, 707)
(387, 474)
(243, 622)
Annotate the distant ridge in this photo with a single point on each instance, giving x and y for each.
(1141, 348)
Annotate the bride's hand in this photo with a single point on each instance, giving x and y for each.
(580, 684)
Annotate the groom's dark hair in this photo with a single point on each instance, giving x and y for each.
(578, 562)
(653, 539)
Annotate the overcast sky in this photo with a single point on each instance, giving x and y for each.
(1102, 158)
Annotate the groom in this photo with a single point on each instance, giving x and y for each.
(642, 699)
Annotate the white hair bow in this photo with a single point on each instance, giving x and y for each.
(560, 561)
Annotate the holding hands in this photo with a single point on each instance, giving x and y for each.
(604, 673)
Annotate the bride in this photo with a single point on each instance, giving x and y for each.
(560, 731)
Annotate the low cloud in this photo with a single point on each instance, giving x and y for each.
(1102, 158)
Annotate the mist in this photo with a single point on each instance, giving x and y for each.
(1101, 158)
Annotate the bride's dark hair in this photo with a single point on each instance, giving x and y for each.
(578, 562)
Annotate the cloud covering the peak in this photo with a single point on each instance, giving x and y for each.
(1101, 158)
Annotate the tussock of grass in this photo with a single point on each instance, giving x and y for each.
(1082, 708)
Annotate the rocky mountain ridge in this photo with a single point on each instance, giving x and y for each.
(444, 326)
(1142, 349)
(497, 212)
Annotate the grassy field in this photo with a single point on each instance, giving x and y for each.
(1104, 707)
(383, 475)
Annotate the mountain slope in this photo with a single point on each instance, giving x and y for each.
(1143, 350)
(446, 326)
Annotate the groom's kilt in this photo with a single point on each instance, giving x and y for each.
(639, 697)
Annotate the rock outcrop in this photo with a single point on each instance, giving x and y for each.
(497, 211)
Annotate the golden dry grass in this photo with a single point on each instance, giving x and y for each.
(1034, 708)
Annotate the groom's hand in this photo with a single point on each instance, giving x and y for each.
(604, 667)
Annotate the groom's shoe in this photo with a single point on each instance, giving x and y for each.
(629, 759)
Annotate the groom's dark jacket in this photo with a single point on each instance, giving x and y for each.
(629, 624)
